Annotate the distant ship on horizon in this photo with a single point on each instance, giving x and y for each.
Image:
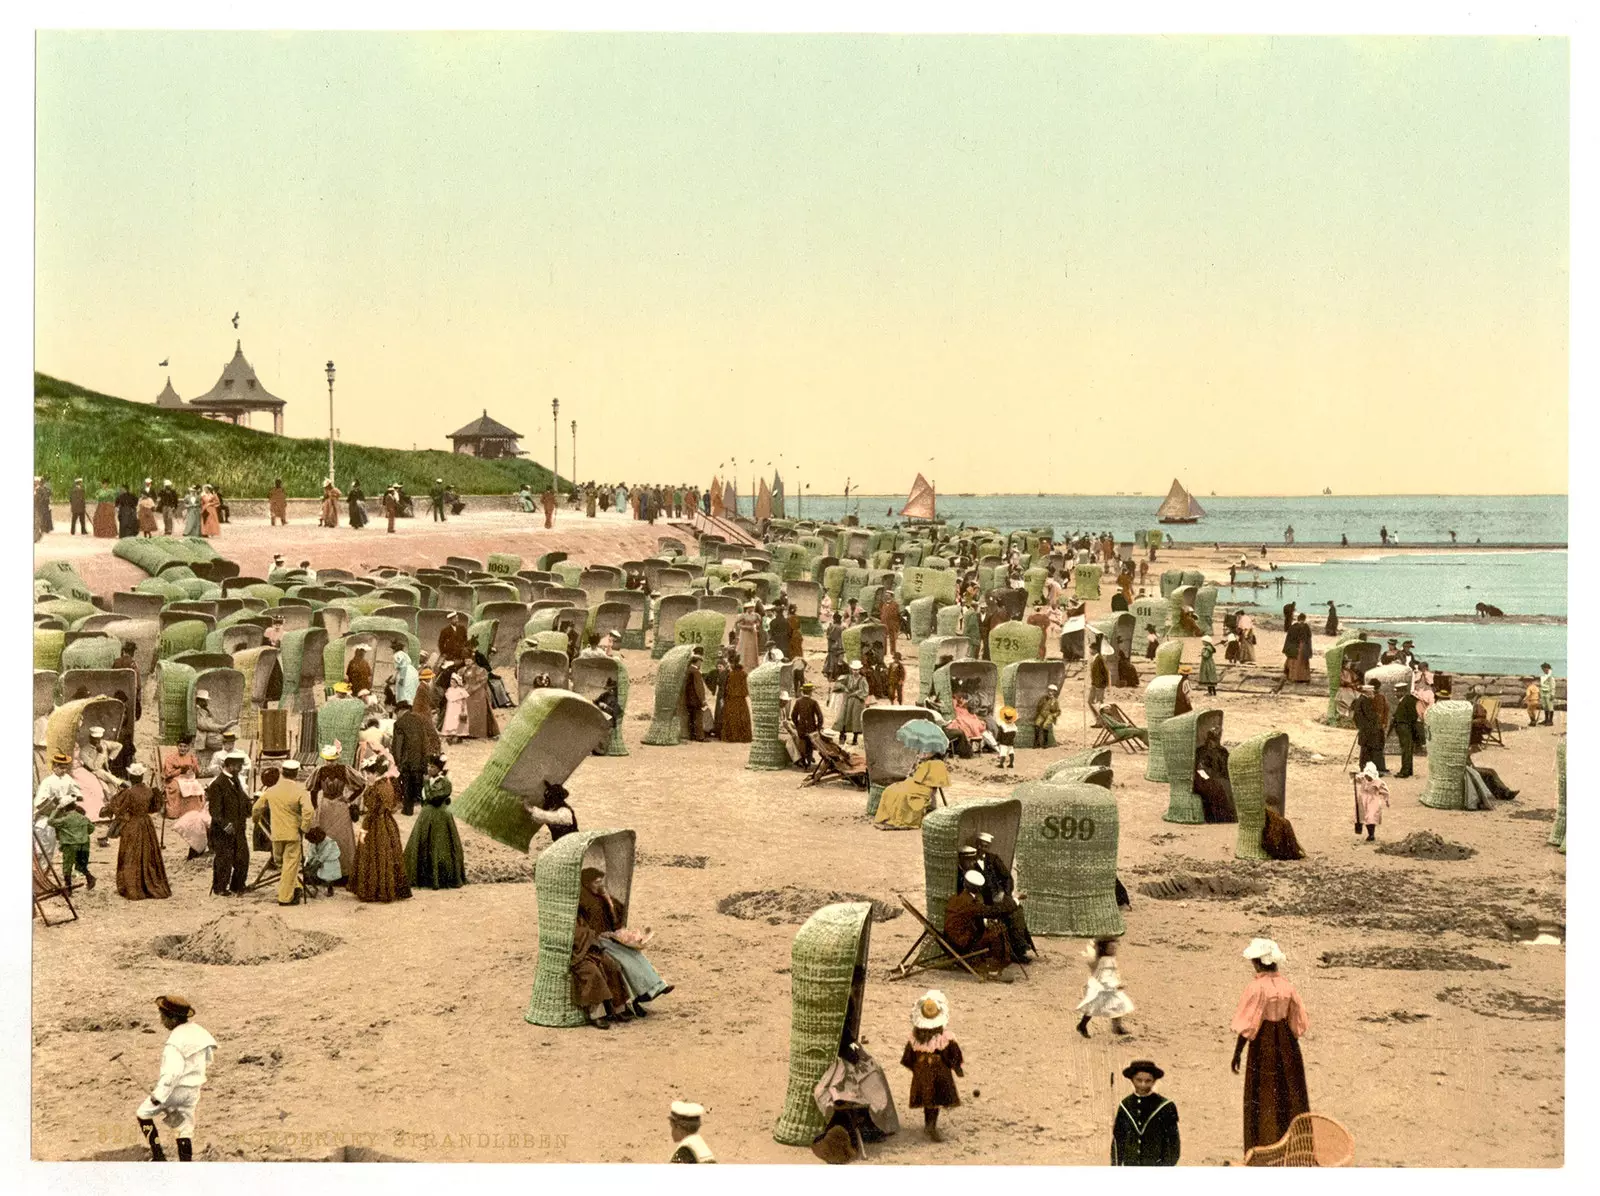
(1326, 491)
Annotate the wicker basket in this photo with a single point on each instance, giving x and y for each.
(1558, 831)
(827, 981)
(1067, 859)
(557, 879)
(1248, 765)
(1180, 736)
(550, 734)
(1449, 732)
(1160, 700)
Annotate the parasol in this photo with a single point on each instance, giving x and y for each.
(923, 735)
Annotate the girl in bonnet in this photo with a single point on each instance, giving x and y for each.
(933, 1057)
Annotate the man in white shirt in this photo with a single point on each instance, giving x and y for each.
(184, 1060)
(55, 791)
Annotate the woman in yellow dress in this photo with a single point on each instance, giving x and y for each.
(905, 802)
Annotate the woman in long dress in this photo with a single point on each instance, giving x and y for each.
(833, 663)
(330, 503)
(358, 512)
(1271, 1021)
(1297, 651)
(480, 713)
(210, 505)
(405, 678)
(852, 691)
(105, 512)
(600, 923)
(147, 515)
(380, 871)
(191, 512)
(735, 702)
(333, 786)
(141, 872)
(748, 629)
(434, 859)
(903, 805)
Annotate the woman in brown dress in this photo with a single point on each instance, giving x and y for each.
(932, 1056)
(736, 705)
(1271, 1019)
(380, 871)
(141, 872)
(597, 984)
(480, 714)
(333, 786)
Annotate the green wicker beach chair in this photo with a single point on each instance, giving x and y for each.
(587, 677)
(1067, 859)
(1169, 657)
(1180, 736)
(1183, 596)
(1092, 757)
(1023, 684)
(301, 657)
(828, 981)
(263, 684)
(667, 728)
(48, 645)
(1449, 731)
(67, 728)
(706, 629)
(1160, 700)
(92, 652)
(186, 635)
(504, 563)
(947, 621)
(1205, 606)
(1082, 775)
(767, 753)
(1014, 640)
(1258, 772)
(929, 651)
(945, 831)
(44, 691)
(1086, 581)
(557, 882)
(1558, 831)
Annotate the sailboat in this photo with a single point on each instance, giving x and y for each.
(920, 503)
(1326, 492)
(1179, 507)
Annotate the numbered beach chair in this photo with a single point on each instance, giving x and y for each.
(1067, 859)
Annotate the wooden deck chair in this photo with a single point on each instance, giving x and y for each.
(1491, 715)
(1311, 1141)
(834, 761)
(1116, 727)
(921, 959)
(47, 886)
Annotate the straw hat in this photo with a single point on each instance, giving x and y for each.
(1266, 951)
(174, 1005)
(329, 752)
(1185, 669)
(1008, 713)
(60, 758)
(341, 687)
(932, 1012)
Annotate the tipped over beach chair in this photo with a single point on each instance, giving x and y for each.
(1116, 727)
(1311, 1141)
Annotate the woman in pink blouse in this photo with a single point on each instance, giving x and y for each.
(1271, 1019)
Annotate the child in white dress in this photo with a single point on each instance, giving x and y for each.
(1103, 995)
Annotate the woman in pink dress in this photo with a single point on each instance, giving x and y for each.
(210, 504)
(1271, 1021)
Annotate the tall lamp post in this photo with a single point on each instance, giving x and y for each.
(330, 421)
(574, 452)
(555, 447)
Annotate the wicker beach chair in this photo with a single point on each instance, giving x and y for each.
(557, 883)
(1022, 684)
(1067, 859)
(1169, 658)
(887, 759)
(945, 831)
(1558, 830)
(532, 661)
(1014, 640)
(587, 678)
(1160, 700)
(546, 738)
(978, 679)
(1449, 732)
(1258, 772)
(89, 652)
(44, 691)
(668, 727)
(1312, 1140)
(1093, 757)
(705, 629)
(828, 981)
(67, 729)
(1115, 727)
(632, 632)
(767, 683)
(1180, 737)
(930, 651)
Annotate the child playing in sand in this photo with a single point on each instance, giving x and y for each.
(932, 1057)
(1103, 995)
(321, 862)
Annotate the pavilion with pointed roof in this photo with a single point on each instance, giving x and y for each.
(237, 393)
(487, 438)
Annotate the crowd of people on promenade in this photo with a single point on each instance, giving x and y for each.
(120, 511)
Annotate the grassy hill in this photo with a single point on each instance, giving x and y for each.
(78, 433)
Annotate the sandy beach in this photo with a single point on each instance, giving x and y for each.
(1431, 1016)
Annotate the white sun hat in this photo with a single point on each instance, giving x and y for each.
(1266, 951)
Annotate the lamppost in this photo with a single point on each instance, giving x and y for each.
(555, 447)
(330, 421)
(574, 452)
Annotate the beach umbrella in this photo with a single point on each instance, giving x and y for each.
(923, 735)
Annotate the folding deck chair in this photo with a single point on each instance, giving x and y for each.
(1116, 727)
(47, 885)
(910, 965)
(1491, 715)
(834, 761)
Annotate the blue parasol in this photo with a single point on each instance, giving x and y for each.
(923, 735)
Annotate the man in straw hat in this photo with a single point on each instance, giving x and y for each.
(688, 1146)
(184, 1059)
(229, 835)
(1144, 1132)
(287, 809)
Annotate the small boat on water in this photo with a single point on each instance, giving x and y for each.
(1179, 506)
(1326, 492)
(921, 503)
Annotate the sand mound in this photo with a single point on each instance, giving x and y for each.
(243, 937)
(794, 905)
(1183, 887)
(650, 860)
(1502, 1003)
(1409, 959)
(1535, 815)
(1425, 845)
(499, 871)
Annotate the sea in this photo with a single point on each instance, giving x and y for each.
(1389, 594)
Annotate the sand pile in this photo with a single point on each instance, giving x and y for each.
(794, 905)
(243, 937)
(650, 860)
(1183, 887)
(1409, 959)
(1425, 845)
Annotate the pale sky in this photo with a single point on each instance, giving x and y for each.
(1080, 264)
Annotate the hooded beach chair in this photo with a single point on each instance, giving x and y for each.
(1181, 736)
(828, 982)
(1558, 830)
(1258, 771)
(1067, 859)
(1449, 733)
(588, 677)
(557, 879)
(1160, 700)
(1312, 1140)
(887, 759)
(669, 725)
